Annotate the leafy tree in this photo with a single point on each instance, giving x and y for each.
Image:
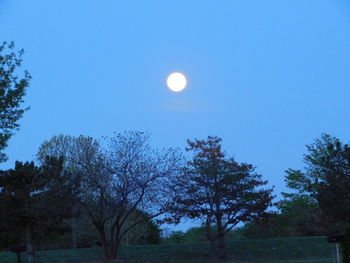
(262, 227)
(324, 184)
(12, 90)
(124, 176)
(147, 232)
(153, 233)
(197, 235)
(34, 201)
(296, 217)
(220, 192)
(333, 192)
(177, 237)
(77, 154)
(318, 203)
(85, 235)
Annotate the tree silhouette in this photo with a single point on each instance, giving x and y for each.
(12, 91)
(219, 191)
(34, 200)
(117, 182)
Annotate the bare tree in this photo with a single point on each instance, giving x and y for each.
(124, 176)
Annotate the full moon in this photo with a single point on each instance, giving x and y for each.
(176, 82)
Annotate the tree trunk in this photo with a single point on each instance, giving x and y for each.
(209, 235)
(110, 250)
(74, 232)
(75, 223)
(115, 249)
(103, 240)
(213, 250)
(220, 238)
(220, 252)
(30, 248)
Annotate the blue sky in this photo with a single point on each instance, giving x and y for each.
(267, 76)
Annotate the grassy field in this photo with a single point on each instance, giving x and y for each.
(276, 250)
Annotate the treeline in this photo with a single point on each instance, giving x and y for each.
(103, 195)
(117, 190)
(83, 192)
(198, 235)
(318, 202)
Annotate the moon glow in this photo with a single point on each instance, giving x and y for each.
(176, 82)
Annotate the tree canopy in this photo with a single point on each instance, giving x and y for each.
(33, 200)
(117, 180)
(318, 200)
(325, 182)
(220, 191)
(13, 87)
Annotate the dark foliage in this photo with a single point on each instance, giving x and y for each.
(12, 90)
(220, 192)
(325, 184)
(33, 200)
